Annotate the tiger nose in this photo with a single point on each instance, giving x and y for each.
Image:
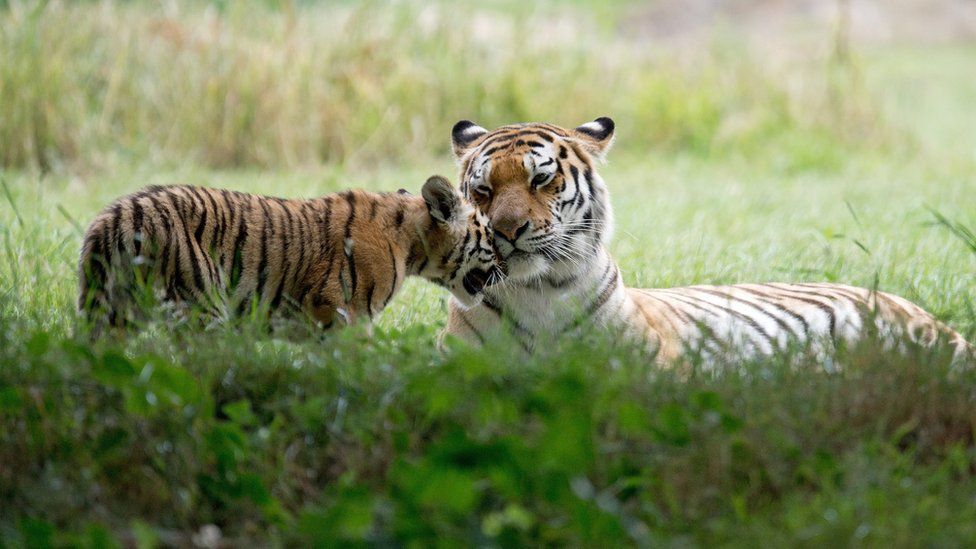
(509, 229)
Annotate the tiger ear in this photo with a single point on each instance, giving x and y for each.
(464, 134)
(443, 201)
(597, 136)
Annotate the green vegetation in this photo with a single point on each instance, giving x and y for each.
(724, 171)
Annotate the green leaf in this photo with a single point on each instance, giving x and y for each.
(38, 343)
(145, 534)
(449, 489)
(37, 533)
(673, 425)
(240, 412)
(10, 400)
(114, 369)
(707, 400)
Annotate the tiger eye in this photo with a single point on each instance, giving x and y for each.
(540, 179)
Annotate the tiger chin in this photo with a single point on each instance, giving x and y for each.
(339, 259)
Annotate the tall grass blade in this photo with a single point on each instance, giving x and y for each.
(957, 228)
(72, 220)
(10, 199)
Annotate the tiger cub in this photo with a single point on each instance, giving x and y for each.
(341, 257)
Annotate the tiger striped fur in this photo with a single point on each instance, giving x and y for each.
(342, 256)
(551, 214)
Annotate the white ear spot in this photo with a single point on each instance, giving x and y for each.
(472, 132)
(465, 133)
(599, 129)
(591, 127)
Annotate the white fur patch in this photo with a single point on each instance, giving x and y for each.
(473, 131)
(594, 127)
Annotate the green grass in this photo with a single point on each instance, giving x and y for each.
(247, 84)
(721, 174)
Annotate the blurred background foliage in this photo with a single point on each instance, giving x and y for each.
(280, 84)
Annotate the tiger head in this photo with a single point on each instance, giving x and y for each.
(459, 244)
(537, 183)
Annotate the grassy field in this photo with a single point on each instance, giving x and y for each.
(726, 169)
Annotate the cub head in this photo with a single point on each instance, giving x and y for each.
(460, 253)
(537, 183)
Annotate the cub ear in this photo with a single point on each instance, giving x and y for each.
(443, 201)
(597, 136)
(464, 134)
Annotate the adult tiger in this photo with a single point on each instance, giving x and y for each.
(551, 215)
(345, 253)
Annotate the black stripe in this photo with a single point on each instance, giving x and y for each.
(237, 252)
(588, 178)
(469, 253)
(680, 314)
(469, 326)
(263, 253)
(648, 318)
(861, 303)
(116, 234)
(782, 324)
(423, 264)
(198, 233)
(232, 209)
(369, 298)
(162, 237)
(195, 267)
(510, 320)
(177, 282)
(578, 152)
(708, 337)
(96, 263)
(607, 288)
(491, 306)
(396, 276)
(322, 286)
(286, 263)
(499, 140)
(306, 236)
(545, 136)
(398, 221)
(325, 227)
(556, 130)
(218, 222)
(694, 301)
(351, 199)
(765, 299)
(827, 309)
(303, 243)
(137, 226)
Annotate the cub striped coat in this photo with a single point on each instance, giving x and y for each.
(343, 255)
(551, 214)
